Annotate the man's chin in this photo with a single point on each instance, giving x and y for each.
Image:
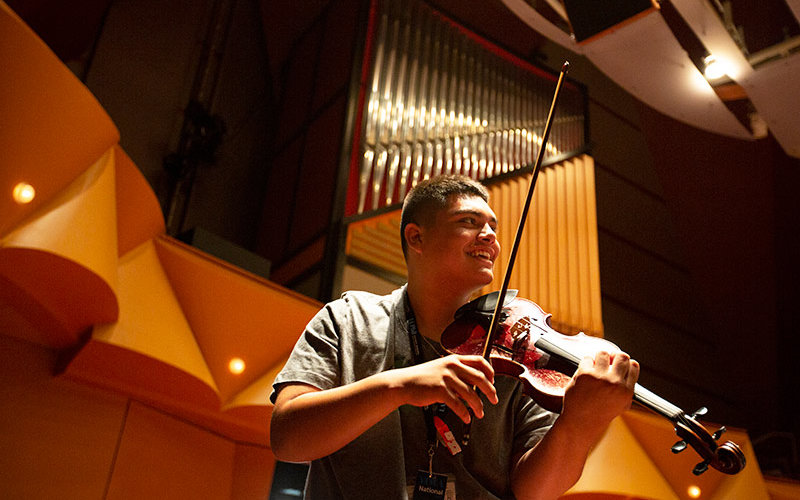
(486, 278)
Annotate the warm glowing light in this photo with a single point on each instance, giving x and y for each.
(715, 68)
(236, 366)
(23, 193)
(699, 83)
(693, 491)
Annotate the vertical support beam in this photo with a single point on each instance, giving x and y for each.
(334, 257)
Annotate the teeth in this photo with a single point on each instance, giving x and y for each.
(484, 255)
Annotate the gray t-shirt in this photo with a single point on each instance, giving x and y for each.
(362, 334)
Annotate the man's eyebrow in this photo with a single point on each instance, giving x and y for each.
(477, 213)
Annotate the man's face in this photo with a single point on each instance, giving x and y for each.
(461, 243)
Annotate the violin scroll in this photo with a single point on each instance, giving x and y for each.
(727, 457)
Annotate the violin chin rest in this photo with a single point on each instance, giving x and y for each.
(487, 303)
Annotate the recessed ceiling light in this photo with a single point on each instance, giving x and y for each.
(236, 366)
(23, 193)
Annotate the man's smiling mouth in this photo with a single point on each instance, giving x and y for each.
(482, 254)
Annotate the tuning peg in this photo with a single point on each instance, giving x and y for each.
(700, 468)
(722, 430)
(679, 446)
(700, 412)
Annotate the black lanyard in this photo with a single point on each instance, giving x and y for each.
(415, 342)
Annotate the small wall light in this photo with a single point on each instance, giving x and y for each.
(693, 491)
(23, 193)
(714, 68)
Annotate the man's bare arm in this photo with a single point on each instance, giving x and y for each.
(309, 423)
(601, 389)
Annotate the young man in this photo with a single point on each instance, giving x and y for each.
(365, 406)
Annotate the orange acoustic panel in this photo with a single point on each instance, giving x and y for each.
(53, 127)
(183, 316)
(249, 405)
(252, 472)
(234, 313)
(656, 436)
(634, 460)
(619, 468)
(151, 350)
(782, 488)
(60, 265)
(558, 261)
(139, 216)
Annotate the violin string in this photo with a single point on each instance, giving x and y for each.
(657, 403)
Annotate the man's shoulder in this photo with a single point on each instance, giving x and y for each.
(364, 308)
(361, 297)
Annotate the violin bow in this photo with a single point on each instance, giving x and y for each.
(501, 298)
(728, 457)
(524, 217)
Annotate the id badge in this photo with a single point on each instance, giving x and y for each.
(432, 486)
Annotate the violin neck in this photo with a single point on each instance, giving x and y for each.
(656, 403)
(642, 396)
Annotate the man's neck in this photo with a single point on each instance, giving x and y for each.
(434, 308)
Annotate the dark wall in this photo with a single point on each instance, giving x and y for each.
(311, 55)
(734, 205)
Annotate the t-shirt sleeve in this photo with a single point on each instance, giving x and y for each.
(531, 424)
(315, 357)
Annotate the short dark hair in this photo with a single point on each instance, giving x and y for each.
(429, 196)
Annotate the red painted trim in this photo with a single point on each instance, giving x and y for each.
(351, 203)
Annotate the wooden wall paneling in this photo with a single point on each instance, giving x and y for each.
(562, 313)
(253, 468)
(540, 204)
(572, 244)
(618, 144)
(582, 244)
(58, 437)
(551, 239)
(161, 456)
(593, 261)
(556, 264)
(638, 216)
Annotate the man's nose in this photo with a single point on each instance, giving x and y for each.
(487, 233)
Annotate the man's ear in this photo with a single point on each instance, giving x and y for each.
(413, 236)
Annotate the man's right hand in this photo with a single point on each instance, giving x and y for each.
(451, 380)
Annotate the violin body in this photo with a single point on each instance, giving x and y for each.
(526, 347)
(514, 351)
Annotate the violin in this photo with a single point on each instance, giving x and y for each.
(515, 336)
(527, 348)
